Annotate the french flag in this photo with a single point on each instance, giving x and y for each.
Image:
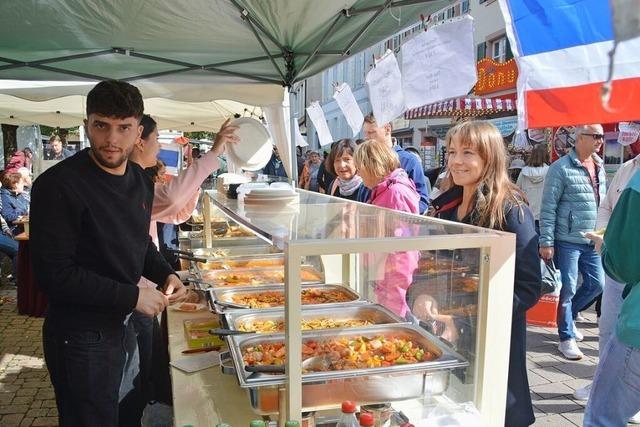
(562, 50)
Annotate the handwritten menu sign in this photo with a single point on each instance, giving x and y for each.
(385, 89)
(439, 64)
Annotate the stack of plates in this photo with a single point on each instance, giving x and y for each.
(271, 196)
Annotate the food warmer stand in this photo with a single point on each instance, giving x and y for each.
(467, 271)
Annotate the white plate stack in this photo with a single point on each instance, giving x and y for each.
(272, 197)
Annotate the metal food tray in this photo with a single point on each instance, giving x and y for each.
(237, 252)
(376, 314)
(324, 390)
(233, 262)
(222, 242)
(213, 276)
(225, 294)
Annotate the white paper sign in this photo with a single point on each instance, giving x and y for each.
(439, 64)
(385, 89)
(349, 106)
(320, 123)
(629, 132)
(300, 141)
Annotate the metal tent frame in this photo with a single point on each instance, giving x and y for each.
(288, 76)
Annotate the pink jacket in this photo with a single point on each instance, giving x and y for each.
(397, 192)
(174, 201)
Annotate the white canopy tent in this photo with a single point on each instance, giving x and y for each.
(69, 111)
(195, 51)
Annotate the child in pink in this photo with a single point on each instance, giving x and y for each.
(379, 167)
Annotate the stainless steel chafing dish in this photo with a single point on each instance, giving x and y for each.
(325, 390)
(221, 299)
(246, 261)
(252, 277)
(374, 313)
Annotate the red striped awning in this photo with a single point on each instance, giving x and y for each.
(460, 107)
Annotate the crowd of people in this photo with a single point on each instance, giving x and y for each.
(88, 251)
(558, 212)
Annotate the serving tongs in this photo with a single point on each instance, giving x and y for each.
(222, 332)
(193, 260)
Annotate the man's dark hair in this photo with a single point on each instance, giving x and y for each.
(114, 98)
(148, 126)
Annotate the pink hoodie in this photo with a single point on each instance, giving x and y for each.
(174, 201)
(397, 192)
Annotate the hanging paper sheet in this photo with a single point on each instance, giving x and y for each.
(349, 106)
(300, 141)
(320, 123)
(385, 89)
(439, 64)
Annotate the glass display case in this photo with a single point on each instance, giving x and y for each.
(382, 307)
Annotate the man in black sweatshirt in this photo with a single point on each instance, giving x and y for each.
(90, 218)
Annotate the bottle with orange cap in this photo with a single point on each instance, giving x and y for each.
(367, 420)
(348, 417)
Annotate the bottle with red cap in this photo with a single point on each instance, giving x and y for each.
(348, 417)
(366, 419)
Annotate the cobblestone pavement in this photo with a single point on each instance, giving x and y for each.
(26, 395)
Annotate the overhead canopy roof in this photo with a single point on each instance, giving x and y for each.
(69, 111)
(196, 50)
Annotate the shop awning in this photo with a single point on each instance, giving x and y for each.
(462, 107)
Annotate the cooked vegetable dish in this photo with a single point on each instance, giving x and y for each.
(345, 353)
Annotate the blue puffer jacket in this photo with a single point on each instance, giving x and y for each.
(569, 206)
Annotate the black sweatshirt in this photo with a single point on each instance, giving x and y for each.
(89, 234)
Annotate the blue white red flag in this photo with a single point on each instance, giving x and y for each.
(562, 50)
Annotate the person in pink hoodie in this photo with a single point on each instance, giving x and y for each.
(379, 167)
(173, 203)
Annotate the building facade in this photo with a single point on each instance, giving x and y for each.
(491, 45)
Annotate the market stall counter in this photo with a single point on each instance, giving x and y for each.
(206, 397)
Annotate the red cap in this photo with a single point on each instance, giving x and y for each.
(348, 407)
(366, 419)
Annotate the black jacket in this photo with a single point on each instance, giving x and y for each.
(526, 292)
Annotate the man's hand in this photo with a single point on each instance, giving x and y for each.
(425, 308)
(151, 302)
(596, 238)
(174, 289)
(546, 253)
(225, 135)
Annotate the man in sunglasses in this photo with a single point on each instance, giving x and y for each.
(573, 188)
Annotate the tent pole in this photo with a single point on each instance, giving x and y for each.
(71, 73)
(366, 27)
(318, 46)
(264, 47)
(245, 14)
(18, 64)
(393, 4)
(292, 144)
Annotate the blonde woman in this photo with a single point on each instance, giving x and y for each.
(478, 191)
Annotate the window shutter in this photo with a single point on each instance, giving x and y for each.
(482, 50)
(509, 53)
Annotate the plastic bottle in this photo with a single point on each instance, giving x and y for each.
(257, 423)
(292, 424)
(223, 425)
(348, 417)
(367, 420)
